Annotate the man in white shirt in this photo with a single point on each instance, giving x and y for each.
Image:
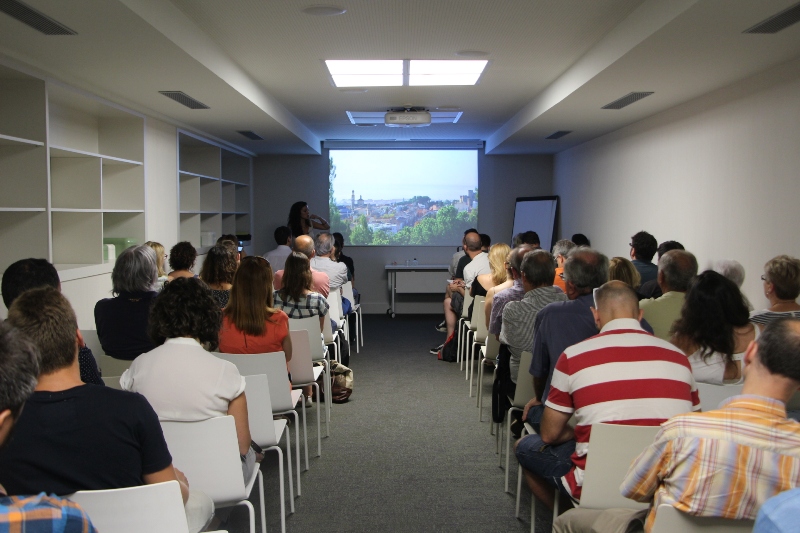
(323, 261)
(277, 257)
(479, 265)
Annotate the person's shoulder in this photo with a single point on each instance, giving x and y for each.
(33, 511)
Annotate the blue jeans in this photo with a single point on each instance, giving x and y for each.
(546, 461)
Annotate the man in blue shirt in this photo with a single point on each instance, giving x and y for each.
(643, 248)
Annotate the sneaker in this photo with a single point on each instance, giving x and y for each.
(442, 328)
(435, 349)
(309, 403)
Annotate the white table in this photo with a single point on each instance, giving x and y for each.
(416, 279)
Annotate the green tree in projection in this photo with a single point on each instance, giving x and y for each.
(362, 234)
(382, 237)
(337, 224)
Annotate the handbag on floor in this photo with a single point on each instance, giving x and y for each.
(341, 383)
(448, 351)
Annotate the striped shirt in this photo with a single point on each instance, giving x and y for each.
(42, 514)
(624, 375)
(762, 318)
(312, 304)
(723, 463)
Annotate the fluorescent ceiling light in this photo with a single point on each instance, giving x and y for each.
(445, 72)
(390, 72)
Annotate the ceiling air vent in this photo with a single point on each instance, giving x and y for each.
(253, 136)
(183, 99)
(778, 22)
(558, 134)
(34, 19)
(627, 100)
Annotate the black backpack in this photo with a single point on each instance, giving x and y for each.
(448, 351)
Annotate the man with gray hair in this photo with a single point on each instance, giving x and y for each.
(323, 261)
(676, 269)
(305, 245)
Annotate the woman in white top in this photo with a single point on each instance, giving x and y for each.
(180, 379)
(714, 329)
(781, 287)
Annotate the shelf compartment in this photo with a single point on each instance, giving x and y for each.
(199, 157)
(62, 151)
(190, 228)
(123, 186)
(210, 222)
(23, 176)
(243, 224)
(228, 223)
(23, 112)
(75, 182)
(189, 193)
(210, 195)
(77, 238)
(235, 168)
(22, 234)
(228, 197)
(124, 225)
(242, 199)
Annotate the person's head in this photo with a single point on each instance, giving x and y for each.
(472, 243)
(296, 277)
(776, 352)
(323, 244)
(185, 308)
(229, 237)
(220, 264)
(585, 269)
(251, 302)
(338, 241)
(643, 246)
(561, 249)
(464, 238)
(621, 269)
(782, 277)
(515, 259)
(19, 373)
(666, 246)
(28, 274)
(731, 269)
(297, 213)
(304, 245)
(516, 240)
(676, 269)
(135, 270)
(580, 240)
(45, 316)
(283, 236)
(182, 256)
(538, 269)
(713, 307)
(158, 248)
(615, 299)
(486, 242)
(531, 238)
(497, 262)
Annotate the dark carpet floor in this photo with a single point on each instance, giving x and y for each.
(406, 453)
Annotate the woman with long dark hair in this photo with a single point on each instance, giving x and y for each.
(301, 221)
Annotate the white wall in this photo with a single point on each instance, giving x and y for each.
(718, 174)
(279, 181)
(161, 167)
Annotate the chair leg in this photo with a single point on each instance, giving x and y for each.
(361, 325)
(319, 425)
(533, 512)
(305, 437)
(555, 505)
(519, 490)
(328, 398)
(480, 382)
(296, 448)
(252, 513)
(508, 445)
(289, 469)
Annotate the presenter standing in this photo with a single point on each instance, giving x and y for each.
(301, 221)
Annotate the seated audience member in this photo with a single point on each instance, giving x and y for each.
(560, 251)
(218, 270)
(647, 382)
(779, 513)
(508, 283)
(181, 260)
(250, 322)
(19, 370)
(496, 275)
(621, 269)
(161, 257)
(734, 271)
(651, 288)
(516, 334)
(233, 240)
(278, 255)
(305, 245)
(338, 246)
(729, 461)
(180, 379)
(459, 261)
(713, 329)
(323, 261)
(562, 324)
(459, 254)
(486, 242)
(781, 287)
(121, 321)
(531, 238)
(513, 293)
(676, 270)
(28, 274)
(73, 436)
(643, 248)
(581, 240)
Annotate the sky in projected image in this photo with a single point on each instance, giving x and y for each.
(402, 174)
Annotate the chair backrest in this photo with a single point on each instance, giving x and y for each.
(92, 342)
(327, 332)
(347, 292)
(273, 365)
(612, 449)
(525, 390)
(112, 382)
(208, 453)
(467, 302)
(477, 301)
(479, 320)
(712, 395)
(492, 347)
(156, 508)
(310, 324)
(670, 520)
(259, 411)
(111, 366)
(334, 299)
(300, 364)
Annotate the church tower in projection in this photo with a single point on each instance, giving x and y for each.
(353, 200)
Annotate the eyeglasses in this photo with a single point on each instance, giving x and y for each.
(763, 277)
(561, 275)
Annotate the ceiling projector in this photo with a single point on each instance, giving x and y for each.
(407, 119)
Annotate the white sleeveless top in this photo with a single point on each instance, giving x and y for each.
(712, 368)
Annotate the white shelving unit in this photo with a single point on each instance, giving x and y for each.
(215, 190)
(71, 173)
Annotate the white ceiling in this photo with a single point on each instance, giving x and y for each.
(258, 64)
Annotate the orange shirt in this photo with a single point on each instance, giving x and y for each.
(557, 281)
(231, 340)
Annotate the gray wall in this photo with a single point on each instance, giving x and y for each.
(280, 181)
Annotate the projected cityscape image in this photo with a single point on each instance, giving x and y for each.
(403, 197)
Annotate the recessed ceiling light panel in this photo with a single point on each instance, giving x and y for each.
(445, 72)
(366, 73)
(395, 72)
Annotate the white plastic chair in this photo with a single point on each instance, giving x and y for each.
(112, 382)
(330, 337)
(305, 373)
(156, 508)
(489, 352)
(670, 520)
(462, 330)
(528, 430)
(712, 395)
(208, 453)
(335, 303)
(523, 394)
(267, 432)
(347, 292)
(479, 338)
(319, 354)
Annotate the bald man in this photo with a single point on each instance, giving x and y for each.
(588, 377)
(305, 245)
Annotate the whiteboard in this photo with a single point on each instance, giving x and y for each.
(537, 213)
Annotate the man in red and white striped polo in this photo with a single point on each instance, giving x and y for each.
(623, 375)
